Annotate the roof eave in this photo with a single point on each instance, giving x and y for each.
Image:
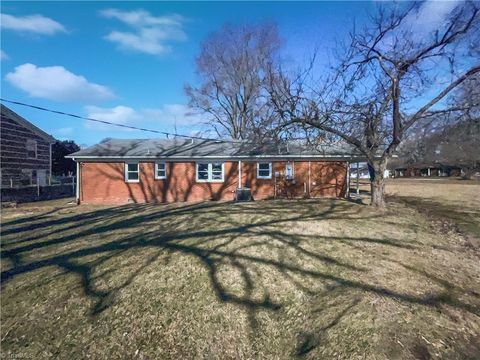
(343, 157)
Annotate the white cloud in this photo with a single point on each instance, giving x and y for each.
(3, 55)
(167, 116)
(431, 15)
(149, 34)
(141, 18)
(56, 83)
(420, 24)
(38, 24)
(122, 115)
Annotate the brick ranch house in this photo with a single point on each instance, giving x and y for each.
(156, 170)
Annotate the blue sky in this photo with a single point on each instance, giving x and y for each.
(127, 62)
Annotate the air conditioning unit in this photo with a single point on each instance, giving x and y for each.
(243, 194)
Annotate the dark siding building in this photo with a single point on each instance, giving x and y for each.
(25, 151)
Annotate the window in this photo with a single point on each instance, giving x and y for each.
(132, 172)
(202, 172)
(28, 177)
(31, 149)
(210, 172)
(264, 170)
(217, 171)
(160, 171)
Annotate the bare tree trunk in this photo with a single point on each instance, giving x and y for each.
(377, 183)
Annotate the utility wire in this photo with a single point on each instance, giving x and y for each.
(118, 125)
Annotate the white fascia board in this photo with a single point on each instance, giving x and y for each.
(210, 158)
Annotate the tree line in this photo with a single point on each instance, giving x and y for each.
(390, 81)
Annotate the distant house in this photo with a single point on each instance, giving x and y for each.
(363, 172)
(428, 170)
(161, 170)
(26, 151)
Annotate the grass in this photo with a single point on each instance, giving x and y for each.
(319, 279)
(456, 201)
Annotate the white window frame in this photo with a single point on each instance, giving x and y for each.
(164, 169)
(35, 143)
(269, 170)
(210, 172)
(126, 172)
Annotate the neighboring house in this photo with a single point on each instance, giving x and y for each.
(363, 172)
(25, 151)
(122, 171)
(428, 170)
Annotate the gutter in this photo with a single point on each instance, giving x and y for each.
(211, 157)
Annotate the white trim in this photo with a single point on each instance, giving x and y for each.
(77, 188)
(156, 170)
(309, 178)
(269, 170)
(358, 180)
(209, 172)
(223, 158)
(50, 150)
(347, 194)
(239, 174)
(126, 171)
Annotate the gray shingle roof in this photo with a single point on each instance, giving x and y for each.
(197, 149)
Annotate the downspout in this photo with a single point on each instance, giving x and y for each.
(309, 180)
(358, 179)
(348, 180)
(274, 182)
(51, 144)
(77, 189)
(240, 174)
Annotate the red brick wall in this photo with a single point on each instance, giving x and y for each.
(104, 183)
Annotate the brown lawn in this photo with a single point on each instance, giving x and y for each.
(319, 279)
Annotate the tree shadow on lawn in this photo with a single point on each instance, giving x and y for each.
(218, 235)
(462, 220)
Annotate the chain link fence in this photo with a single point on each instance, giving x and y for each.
(38, 189)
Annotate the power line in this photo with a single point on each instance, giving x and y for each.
(114, 124)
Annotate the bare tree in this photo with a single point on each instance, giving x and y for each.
(393, 74)
(447, 138)
(233, 66)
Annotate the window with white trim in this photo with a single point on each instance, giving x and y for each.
(31, 149)
(209, 172)
(132, 172)
(264, 170)
(160, 170)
